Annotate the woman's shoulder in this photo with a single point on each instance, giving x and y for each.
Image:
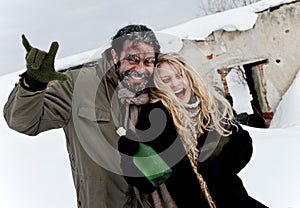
(152, 105)
(154, 111)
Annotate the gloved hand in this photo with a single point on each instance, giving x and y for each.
(129, 143)
(40, 64)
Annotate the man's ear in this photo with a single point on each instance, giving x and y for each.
(114, 56)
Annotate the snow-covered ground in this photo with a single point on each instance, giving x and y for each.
(272, 174)
(35, 171)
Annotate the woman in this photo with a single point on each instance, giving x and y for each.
(214, 147)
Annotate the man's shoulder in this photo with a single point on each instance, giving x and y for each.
(87, 71)
(90, 66)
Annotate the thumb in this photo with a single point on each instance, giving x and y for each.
(26, 43)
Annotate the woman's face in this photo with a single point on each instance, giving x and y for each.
(176, 80)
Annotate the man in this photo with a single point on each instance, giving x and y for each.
(82, 102)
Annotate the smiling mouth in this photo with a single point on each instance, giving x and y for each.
(180, 93)
(135, 75)
(135, 82)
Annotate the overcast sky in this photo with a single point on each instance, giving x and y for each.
(78, 25)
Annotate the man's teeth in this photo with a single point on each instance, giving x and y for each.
(135, 75)
(138, 78)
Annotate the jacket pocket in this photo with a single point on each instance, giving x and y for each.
(94, 114)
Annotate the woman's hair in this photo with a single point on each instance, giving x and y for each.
(215, 112)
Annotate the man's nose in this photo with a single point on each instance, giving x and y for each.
(141, 67)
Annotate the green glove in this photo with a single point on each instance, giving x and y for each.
(40, 64)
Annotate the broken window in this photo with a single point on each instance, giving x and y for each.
(246, 85)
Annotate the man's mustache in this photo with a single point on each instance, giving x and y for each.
(137, 75)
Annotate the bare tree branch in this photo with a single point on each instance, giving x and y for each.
(215, 6)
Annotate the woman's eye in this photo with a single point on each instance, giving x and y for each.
(166, 80)
(178, 76)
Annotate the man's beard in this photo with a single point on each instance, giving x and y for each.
(136, 87)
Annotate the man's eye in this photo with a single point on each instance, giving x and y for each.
(133, 58)
(149, 61)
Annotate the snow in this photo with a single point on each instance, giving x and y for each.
(188, 31)
(284, 117)
(272, 174)
(242, 18)
(36, 171)
(239, 91)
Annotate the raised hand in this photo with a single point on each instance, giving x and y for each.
(40, 64)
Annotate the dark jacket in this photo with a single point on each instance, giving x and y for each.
(80, 105)
(221, 159)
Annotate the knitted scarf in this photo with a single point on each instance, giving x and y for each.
(161, 196)
(131, 102)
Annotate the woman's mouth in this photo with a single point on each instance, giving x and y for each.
(180, 93)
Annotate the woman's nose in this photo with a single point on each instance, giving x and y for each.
(175, 81)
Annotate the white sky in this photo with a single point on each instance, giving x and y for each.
(79, 25)
(35, 172)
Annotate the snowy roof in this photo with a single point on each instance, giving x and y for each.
(242, 19)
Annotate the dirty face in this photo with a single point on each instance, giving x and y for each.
(136, 64)
(176, 80)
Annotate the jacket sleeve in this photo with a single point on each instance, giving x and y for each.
(234, 156)
(34, 112)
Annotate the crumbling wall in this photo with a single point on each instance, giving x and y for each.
(275, 37)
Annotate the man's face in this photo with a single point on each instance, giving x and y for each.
(136, 64)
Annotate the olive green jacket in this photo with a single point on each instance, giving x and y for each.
(85, 106)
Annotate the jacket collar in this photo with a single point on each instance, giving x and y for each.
(105, 67)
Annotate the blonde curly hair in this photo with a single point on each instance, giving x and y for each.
(215, 112)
